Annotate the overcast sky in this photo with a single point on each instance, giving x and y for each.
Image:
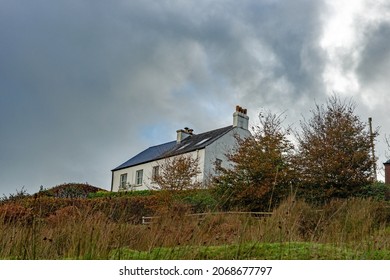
(87, 84)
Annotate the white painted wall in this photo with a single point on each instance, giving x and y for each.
(147, 173)
(218, 150)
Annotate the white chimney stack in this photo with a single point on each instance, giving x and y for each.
(183, 134)
(240, 118)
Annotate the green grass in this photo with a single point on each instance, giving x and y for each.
(107, 194)
(252, 251)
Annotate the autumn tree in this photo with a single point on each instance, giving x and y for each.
(334, 158)
(177, 173)
(261, 170)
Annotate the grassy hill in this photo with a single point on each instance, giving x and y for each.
(78, 221)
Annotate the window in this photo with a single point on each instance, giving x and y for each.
(182, 147)
(123, 181)
(155, 172)
(218, 166)
(202, 141)
(138, 177)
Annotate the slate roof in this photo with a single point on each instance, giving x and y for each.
(189, 144)
(147, 155)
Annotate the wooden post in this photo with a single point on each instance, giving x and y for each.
(372, 148)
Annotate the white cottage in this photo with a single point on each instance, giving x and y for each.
(209, 147)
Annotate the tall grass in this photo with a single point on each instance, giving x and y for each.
(354, 228)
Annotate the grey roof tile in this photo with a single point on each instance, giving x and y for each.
(197, 141)
(189, 144)
(147, 155)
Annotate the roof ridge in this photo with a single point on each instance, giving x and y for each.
(225, 127)
(161, 144)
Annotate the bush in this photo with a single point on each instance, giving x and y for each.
(19, 195)
(71, 190)
(200, 200)
(334, 157)
(262, 169)
(378, 191)
(105, 194)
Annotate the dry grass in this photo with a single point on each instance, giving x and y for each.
(89, 232)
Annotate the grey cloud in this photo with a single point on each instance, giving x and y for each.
(276, 55)
(86, 84)
(373, 72)
(374, 65)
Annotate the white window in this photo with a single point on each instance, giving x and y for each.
(155, 172)
(138, 177)
(123, 181)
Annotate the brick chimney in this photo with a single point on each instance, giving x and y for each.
(183, 134)
(387, 172)
(240, 119)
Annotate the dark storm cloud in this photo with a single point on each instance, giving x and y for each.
(86, 84)
(373, 71)
(374, 66)
(287, 32)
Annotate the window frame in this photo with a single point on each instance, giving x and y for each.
(155, 173)
(123, 180)
(139, 177)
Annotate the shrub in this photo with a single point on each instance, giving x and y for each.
(334, 157)
(378, 191)
(70, 190)
(200, 200)
(19, 195)
(103, 194)
(261, 168)
(178, 173)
